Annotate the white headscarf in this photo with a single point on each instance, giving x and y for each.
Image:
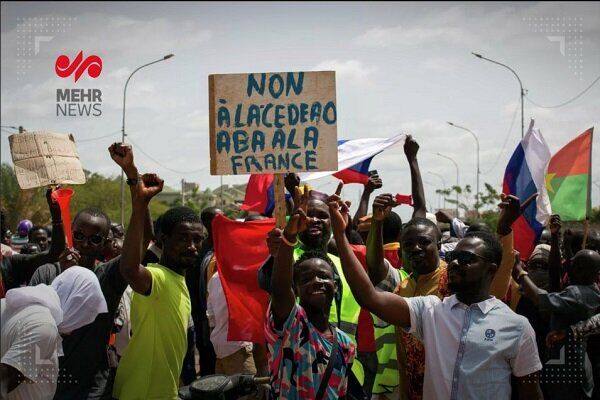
(81, 298)
(43, 295)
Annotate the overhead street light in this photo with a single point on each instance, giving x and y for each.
(123, 130)
(478, 170)
(520, 85)
(457, 178)
(443, 183)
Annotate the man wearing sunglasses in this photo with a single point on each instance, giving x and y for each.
(424, 273)
(474, 342)
(90, 230)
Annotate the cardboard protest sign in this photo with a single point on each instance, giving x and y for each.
(272, 122)
(43, 158)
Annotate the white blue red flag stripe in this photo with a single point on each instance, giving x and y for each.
(523, 177)
(358, 173)
(354, 157)
(353, 152)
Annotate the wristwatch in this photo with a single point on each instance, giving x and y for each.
(521, 275)
(133, 181)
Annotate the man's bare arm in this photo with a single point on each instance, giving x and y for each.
(389, 307)
(282, 292)
(376, 266)
(138, 277)
(411, 148)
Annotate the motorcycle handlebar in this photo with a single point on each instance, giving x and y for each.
(261, 380)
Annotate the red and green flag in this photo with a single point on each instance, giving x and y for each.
(568, 178)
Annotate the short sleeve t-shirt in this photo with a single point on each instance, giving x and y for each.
(29, 340)
(298, 355)
(152, 362)
(471, 351)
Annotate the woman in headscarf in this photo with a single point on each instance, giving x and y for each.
(33, 321)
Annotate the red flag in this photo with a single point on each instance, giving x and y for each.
(404, 199)
(240, 249)
(568, 178)
(260, 194)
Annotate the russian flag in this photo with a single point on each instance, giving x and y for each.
(354, 158)
(358, 173)
(523, 177)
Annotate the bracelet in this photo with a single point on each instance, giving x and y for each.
(520, 276)
(133, 181)
(284, 240)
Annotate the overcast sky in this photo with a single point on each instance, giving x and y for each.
(401, 68)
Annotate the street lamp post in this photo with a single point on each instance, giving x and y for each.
(520, 84)
(457, 178)
(478, 171)
(427, 202)
(123, 131)
(443, 183)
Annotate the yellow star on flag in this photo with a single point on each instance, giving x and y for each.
(548, 180)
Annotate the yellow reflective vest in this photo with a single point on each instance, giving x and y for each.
(387, 378)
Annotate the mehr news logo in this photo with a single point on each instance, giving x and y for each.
(78, 102)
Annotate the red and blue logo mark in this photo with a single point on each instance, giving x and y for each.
(65, 68)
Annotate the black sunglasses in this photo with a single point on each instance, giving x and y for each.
(94, 239)
(463, 257)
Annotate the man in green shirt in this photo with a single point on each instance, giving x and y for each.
(160, 307)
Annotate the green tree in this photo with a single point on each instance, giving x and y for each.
(595, 217)
(198, 201)
(21, 204)
(490, 218)
(195, 200)
(98, 191)
(467, 200)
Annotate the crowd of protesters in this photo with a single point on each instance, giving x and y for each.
(361, 306)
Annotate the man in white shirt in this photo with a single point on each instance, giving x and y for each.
(232, 357)
(473, 342)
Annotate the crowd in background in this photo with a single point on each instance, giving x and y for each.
(361, 306)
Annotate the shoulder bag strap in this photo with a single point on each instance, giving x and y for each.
(332, 357)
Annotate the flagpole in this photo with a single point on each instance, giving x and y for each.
(279, 194)
(588, 209)
(586, 231)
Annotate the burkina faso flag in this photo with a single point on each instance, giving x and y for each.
(568, 178)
